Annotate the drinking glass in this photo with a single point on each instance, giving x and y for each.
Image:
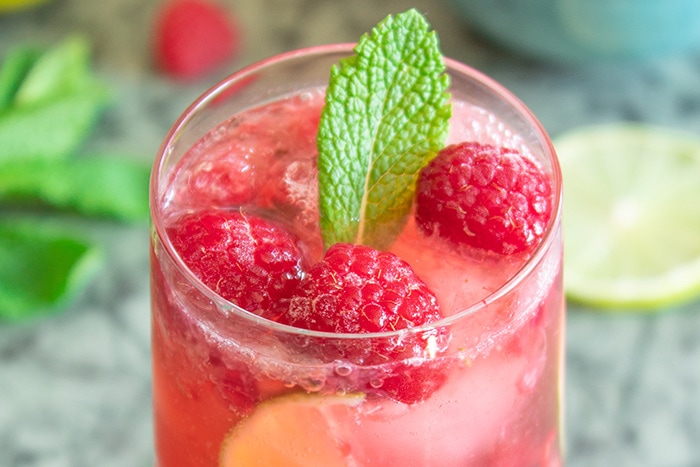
(233, 388)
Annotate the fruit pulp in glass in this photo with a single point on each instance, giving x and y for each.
(215, 388)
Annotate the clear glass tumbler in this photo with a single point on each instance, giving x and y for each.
(233, 388)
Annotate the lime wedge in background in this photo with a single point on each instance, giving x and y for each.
(631, 215)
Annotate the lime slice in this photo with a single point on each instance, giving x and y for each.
(293, 430)
(631, 215)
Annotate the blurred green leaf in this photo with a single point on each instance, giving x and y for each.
(49, 102)
(52, 100)
(13, 70)
(99, 186)
(41, 267)
(54, 129)
(60, 71)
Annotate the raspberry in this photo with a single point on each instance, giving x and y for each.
(484, 196)
(226, 181)
(246, 259)
(264, 157)
(356, 289)
(192, 37)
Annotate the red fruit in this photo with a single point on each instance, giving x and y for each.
(193, 37)
(223, 173)
(358, 290)
(376, 291)
(484, 196)
(265, 157)
(229, 181)
(246, 259)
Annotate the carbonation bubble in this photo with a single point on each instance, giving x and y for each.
(343, 370)
(376, 383)
(314, 384)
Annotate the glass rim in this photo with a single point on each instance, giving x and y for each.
(239, 76)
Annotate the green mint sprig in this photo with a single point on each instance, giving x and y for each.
(42, 266)
(385, 116)
(50, 100)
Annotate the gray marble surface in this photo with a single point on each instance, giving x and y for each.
(75, 387)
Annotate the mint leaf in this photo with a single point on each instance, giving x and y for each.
(61, 70)
(115, 187)
(41, 267)
(13, 71)
(54, 129)
(53, 101)
(386, 115)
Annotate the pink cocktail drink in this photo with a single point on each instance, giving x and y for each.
(236, 386)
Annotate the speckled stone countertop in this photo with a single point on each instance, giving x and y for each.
(75, 387)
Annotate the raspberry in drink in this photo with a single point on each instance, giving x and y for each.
(270, 347)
